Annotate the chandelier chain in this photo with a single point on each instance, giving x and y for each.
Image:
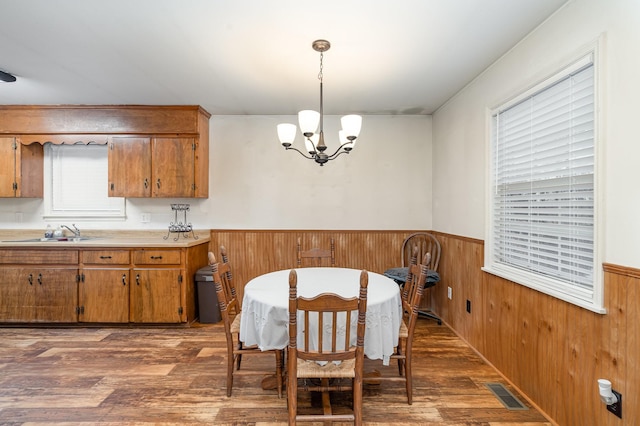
(320, 73)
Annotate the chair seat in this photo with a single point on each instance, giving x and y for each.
(235, 325)
(404, 330)
(311, 369)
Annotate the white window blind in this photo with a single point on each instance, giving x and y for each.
(542, 202)
(76, 183)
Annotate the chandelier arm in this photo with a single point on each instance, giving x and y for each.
(299, 152)
(338, 152)
(315, 147)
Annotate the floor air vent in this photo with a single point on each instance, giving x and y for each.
(507, 398)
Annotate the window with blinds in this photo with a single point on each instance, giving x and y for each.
(542, 202)
(76, 183)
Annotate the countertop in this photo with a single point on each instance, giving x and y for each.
(101, 238)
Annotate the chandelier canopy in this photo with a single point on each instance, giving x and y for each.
(311, 125)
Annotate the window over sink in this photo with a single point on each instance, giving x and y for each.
(76, 183)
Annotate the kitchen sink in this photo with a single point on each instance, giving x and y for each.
(52, 240)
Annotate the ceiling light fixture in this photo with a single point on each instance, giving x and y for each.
(309, 120)
(6, 77)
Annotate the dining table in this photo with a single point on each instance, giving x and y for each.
(265, 307)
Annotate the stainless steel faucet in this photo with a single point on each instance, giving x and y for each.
(75, 230)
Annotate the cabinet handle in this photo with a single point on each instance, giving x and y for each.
(156, 257)
(146, 183)
(124, 279)
(40, 279)
(137, 279)
(158, 183)
(30, 279)
(105, 257)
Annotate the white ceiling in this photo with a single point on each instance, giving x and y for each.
(255, 56)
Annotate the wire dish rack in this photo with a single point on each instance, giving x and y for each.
(180, 227)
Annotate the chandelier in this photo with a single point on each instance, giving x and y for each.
(311, 126)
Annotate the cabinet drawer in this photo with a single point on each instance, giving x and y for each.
(156, 257)
(44, 257)
(105, 257)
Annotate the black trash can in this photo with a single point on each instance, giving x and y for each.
(208, 308)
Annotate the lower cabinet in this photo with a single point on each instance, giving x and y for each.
(99, 285)
(103, 290)
(33, 289)
(56, 294)
(157, 290)
(104, 295)
(156, 296)
(41, 295)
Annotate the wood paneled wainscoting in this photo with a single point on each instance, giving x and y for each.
(552, 351)
(256, 252)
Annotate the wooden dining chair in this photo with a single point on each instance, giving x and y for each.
(409, 288)
(316, 256)
(229, 285)
(231, 315)
(426, 243)
(326, 352)
(411, 297)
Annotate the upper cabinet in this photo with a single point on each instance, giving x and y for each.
(130, 167)
(153, 167)
(20, 169)
(154, 151)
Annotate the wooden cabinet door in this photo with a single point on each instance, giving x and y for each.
(130, 167)
(7, 167)
(104, 295)
(56, 294)
(21, 169)
(29, 170)
(156, 296)
(17, 295)
(173, 163)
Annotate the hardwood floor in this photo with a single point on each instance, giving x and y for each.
(176, 376)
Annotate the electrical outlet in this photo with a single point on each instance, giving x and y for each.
(617, 407)
(468, 305)
(449, 292)
(145, 218)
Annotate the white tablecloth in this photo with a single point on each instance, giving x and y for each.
(265, 307)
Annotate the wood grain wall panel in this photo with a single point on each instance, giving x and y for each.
(460, 269)
(631, 380)
(256, 252)
(552, 351)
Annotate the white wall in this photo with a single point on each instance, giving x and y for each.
(255, 184)
(260, 185)
(460, 127)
